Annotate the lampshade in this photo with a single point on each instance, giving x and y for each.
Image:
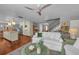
(73, 30)
(9, 24)
(13, 23)
(65, 23)
(46, 26)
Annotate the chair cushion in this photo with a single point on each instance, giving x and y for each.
(71, 50)
(76, 44)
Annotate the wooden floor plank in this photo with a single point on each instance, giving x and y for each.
(6, 46)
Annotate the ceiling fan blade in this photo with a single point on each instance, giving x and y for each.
(45, 6)
(29, 8)
(53, 19)
(20, 16)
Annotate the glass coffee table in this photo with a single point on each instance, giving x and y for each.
(26, 51)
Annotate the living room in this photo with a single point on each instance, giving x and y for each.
(39, 29)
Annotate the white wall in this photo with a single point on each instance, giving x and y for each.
(29, 29)
(75, 24)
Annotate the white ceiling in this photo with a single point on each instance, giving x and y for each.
(53, 11)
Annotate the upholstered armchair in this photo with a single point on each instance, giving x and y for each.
(72, 49)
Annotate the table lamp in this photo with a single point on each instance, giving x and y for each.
(46, 27)
(73, 32)
(13, 23)
(9, 24)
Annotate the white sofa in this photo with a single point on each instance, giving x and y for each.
(72, 49)
(52, 40)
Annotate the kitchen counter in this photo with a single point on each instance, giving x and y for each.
(10, 35)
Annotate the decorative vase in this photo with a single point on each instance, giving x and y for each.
(39, 34)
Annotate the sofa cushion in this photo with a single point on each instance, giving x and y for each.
(53, 46)
(51, 34)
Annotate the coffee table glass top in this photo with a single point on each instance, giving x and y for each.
(26, 51)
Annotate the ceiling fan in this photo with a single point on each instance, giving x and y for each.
(20, 17)
(39, 10)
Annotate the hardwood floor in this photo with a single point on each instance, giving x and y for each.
(7, 46)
